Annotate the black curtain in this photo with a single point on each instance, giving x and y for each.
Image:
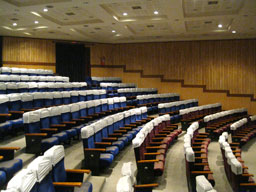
(73, 60)
(1, 51)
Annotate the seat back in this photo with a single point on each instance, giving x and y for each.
(42, 167)
(31, 122)
(56, 155)
(24, 181)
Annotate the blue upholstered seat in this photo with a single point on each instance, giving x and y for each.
(56, 155)
(11, 167)
(2, 178)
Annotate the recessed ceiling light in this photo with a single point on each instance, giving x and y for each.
(156, 12)
(45, 9)
(14, 24)
(125, 14)
(113, 31)
(42, 27)
(35, 13)
(26, 33)
(220, 26)
(117, 35)
(36, 22)
(233, 31)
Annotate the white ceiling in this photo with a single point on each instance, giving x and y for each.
(94, 20)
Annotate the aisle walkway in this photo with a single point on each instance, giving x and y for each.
(174, 178)
(216, 165)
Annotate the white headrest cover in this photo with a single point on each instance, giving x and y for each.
(137, 141)
(42, 166)
(190, 155)
(44, 113)
(124, 184)
(74, 107)
(236, 167)
(87, 132)
(31, 117)
(202, 184)
(56, 154)
(23, 181)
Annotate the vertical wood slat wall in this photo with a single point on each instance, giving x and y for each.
(29, 53)
(220, 65)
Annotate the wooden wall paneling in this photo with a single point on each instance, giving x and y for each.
(219, 65)
(28, 53)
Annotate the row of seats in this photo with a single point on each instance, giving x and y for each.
(174, 107)
(95, 81)
(196, 156)
(150, 147)
(157, 98)
(6, 88)
(133, 92)
(103, 139)
(8, 165)
(217, 123)
(243, 130)
(197, 113)
(152, 100)
(24, 71)
(236, 172)
(115, 86)
(107, 79)
(27, 78)
(50, 126)
(47, 173)
(12, 106)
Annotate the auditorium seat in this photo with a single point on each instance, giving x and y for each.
(8, 165)
(36, 140)
(56, 154)
(96, 158)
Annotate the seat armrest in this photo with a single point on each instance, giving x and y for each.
(67, 184)
(146, 185)
(109, 139)
(57, 125)
(36, 134)
(9, 148)
(78, 171)
(148, 161)
(18, 112)
(5, 115)
(95, 149)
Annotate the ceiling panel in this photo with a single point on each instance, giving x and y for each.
(197, 8)
(103, 20)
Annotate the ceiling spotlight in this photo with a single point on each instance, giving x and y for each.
(156, 12)
(220, 26)
(36, 22)
(233, 31)
(14, 24)
(125, 14)
(45, 9)
(113, 31)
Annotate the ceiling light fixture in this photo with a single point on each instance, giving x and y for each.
(36, 22)
(125, 14)
(14, 24)
(220, 25)
(45, 9)
(233, 31)
(113, 31)
(27, 33)
(35, 13)
(156, 12)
